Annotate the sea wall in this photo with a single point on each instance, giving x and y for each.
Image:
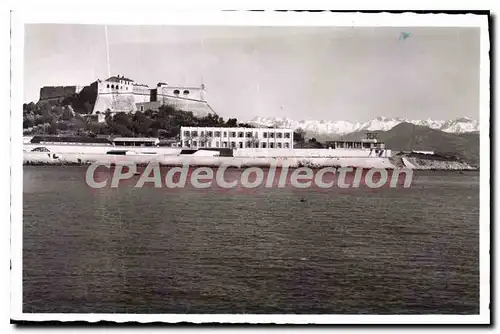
(431, 164)
(241, 152)
(307, 153)
(173, 160)
(78, 153)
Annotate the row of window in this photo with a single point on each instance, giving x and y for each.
(117, 87)
(177, 92)
(233, 144)
(234, 134)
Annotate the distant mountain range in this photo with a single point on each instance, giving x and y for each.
(458, 137)
(334, 129)
(407, 137)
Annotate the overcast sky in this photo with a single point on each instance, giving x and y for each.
(352, 74)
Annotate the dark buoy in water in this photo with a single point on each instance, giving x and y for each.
(302, 200)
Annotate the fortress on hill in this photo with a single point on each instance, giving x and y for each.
(121, 94)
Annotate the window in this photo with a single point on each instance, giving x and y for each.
(287, 135)
(142, 108)
(278, 145)
(202, 133)
(279, 135)
(186, 143)
(195, 143)
(265, 134)
(209, 144)
(210, 133)
(186, 133)
(240, 134)
(247, 144)
(264, 145)
(176, 92)
(249, 134)
(225, 144)
(126, 88)
(194, 133)
(108, 85)
(233, 134)
(287, 145)
(217, 144)
(271, 135)
(225, 134)
(217, 133)
(186, 92)
(202, 144)
(233, 144)
(113, 86)
(271, 145)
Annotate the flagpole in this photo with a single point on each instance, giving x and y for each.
(107, 50)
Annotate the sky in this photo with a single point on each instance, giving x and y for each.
(302, 73)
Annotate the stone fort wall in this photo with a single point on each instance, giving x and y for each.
(120, 97)
(49, 93)
(124, 95)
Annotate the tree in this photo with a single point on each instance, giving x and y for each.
(299, 135)
(141, 124)
(313, 143)
(232, 123)
(27, 123)
(52, 128)
(29, 107)
(67, 114)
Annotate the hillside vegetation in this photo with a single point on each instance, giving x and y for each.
(59, 118)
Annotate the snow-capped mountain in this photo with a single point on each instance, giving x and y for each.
(458, 125)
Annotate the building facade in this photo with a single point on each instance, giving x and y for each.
(219, 137)
(120, 94)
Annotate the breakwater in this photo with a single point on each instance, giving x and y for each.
(43, 158)
(77, 154)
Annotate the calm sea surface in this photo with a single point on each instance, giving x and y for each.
(152, 250)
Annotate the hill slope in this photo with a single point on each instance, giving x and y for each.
(407, 137)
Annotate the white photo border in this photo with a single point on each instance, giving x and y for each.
(242, 18)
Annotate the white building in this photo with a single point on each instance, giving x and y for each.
(218, 137)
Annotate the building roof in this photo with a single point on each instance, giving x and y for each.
(117, 78)
(135, 139)
(61, 139)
